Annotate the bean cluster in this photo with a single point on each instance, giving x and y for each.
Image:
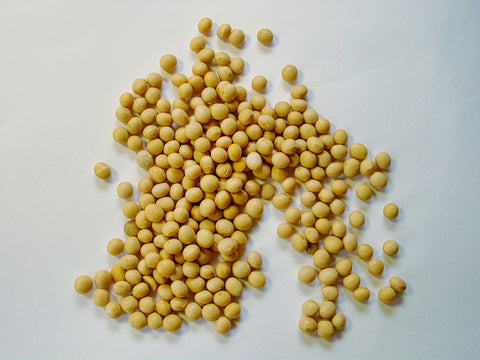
(212, 155)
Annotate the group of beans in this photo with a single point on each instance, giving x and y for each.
(210, 154)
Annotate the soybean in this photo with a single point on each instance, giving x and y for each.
(397, 284)
(204, 25)
(265, 36)
(390, 247)
(208, 154)
(102, 170)
(289, 73)
(307, 274)
(83, 284)
(386, 295)
(361, 294)
(390, 211)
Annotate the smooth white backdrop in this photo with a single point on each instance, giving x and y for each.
(399, 76)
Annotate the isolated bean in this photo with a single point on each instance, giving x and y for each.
(265, 36)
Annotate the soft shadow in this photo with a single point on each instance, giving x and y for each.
(392, 260)
(268, 89)
(265, 264)
(366, 225)
(309, 339)
(268, 48)
(377, 281)
(393, 165)
(105, 184)
(243, 315)
(310, 95)
(300, 77)
(400, 217)
(257, 293)
(390, 185)
(327, 343)
(246, 43)
(83, 300)
(180, 66)
(388, 309)
(117, 324)
(246, 71)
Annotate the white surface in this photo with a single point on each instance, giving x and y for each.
(399, 76)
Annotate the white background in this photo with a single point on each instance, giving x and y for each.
(399, 76)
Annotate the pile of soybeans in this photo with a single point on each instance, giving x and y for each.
(212, 156)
